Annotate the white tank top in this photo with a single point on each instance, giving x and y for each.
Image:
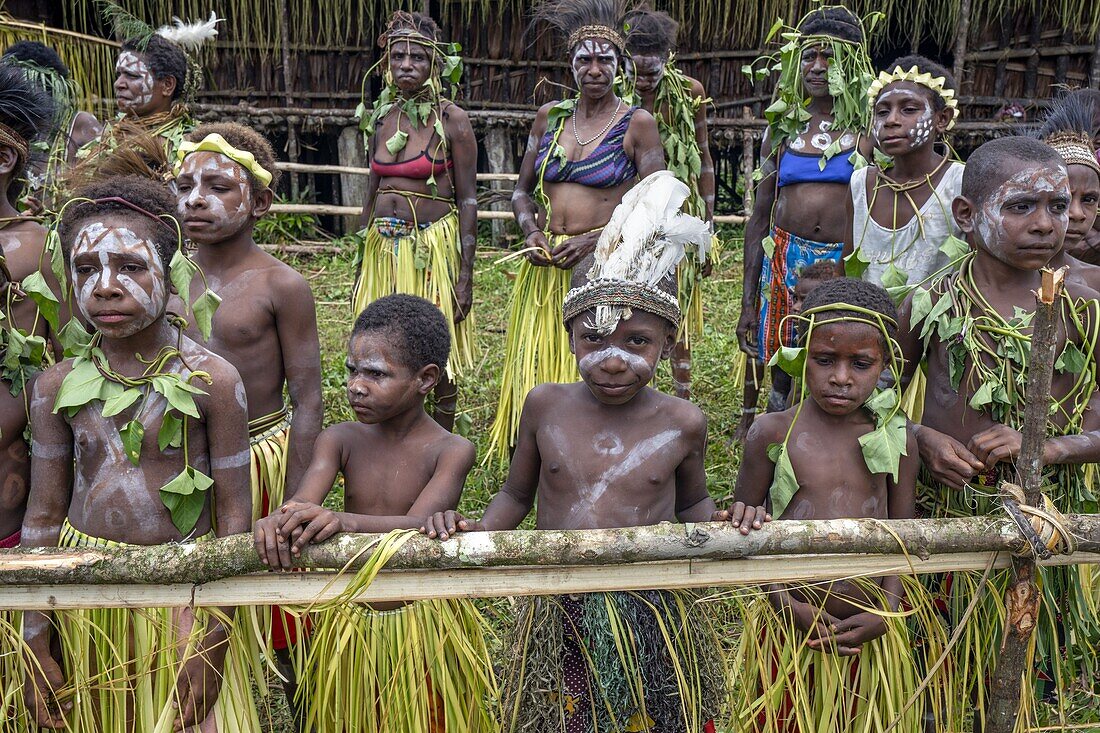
(914, 248)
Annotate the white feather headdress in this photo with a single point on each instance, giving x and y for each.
(641, 245)
(191, 36)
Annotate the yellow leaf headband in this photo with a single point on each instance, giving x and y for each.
(936, 84)
(215, 143)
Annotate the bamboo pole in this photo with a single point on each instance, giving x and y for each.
(334, 210)
(748, 164)
(354, 170)
(232, 556)
(1022, 597)
(288, 91)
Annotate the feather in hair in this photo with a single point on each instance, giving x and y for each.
(191, 36)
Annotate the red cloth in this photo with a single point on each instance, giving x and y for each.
(9, 542)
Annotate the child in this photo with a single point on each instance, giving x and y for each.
(1068, 129)
(397, 353)
(1088, 248)
(973, 328)
(138, 440)
(809, 278)
(610, 451)
(267, 325)
(899, 210)
(818, 460)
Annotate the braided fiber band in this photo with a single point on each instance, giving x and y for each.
(12, 139)
(620, 294)
(596, 31)
(1075, 149)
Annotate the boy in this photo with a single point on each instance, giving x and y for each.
(811, 462)
(973, 328)
(610, 451)
(138, 440)
(399, 467)
(809, 277)
(267, 325)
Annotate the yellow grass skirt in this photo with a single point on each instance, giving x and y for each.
(689, 280)
(791, 688)
(537, 347)
(120, 659)
(13, 715)
(423, 262)
(422, 667)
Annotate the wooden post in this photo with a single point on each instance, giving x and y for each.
(1031, 70)
(961, 37)
(498, 150)
(288, 92)
(1022, 597)
(353, 187)
(1094, 70)
(748, 163)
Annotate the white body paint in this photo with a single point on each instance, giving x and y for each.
(206, 163)
(588, 362)
(238, 461)
(105, 241)
(130, 63)
(989, 220)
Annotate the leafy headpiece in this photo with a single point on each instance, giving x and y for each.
(850, 74)
(639, 248)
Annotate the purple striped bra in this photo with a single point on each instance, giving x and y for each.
(607, 166)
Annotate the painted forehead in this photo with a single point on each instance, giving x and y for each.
(900, 89)
(648, 62)
(204, 161)
(96, 236)
(1032, 178)
(595, 47)
(131, 62)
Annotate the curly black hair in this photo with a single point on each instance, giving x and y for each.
(28, 110)
(141, 192)
(164, 59)
(416, 327)
(926, 65)
(833, 21)
(860, 293)
(403, 20)
(821, 270)
(246, 139)
(993, 162)
(650, 32)
(39, 54)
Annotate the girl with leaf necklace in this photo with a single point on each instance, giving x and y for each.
(678, 102)
(900, 231)
(583, 154)
(834, 657)
(140, 438)
(420, 212)
(808, 153)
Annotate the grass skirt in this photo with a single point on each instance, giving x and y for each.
(625, 661)
(118, 657)
(536, 350)
(791, 688)
(398, 257)
(422, 667)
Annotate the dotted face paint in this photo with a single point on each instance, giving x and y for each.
(102, 258)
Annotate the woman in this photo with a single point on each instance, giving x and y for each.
(420, 212)
(583, 154)
(806, 149)
(679, 104)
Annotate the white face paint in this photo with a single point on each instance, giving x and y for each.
(113, 249)
(137, 92)
(588, 52)
(989, 220)
(213, 196)
(589, 362)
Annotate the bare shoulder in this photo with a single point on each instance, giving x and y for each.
(345, 436)
(545, 396)
(683, 414)
(697, 89)
(454, 114)
(457, 448)
(223, 375)
(285, 283)
(771, 427)
(85, 128)
(49, 381)
(28, 231)
(641, 119)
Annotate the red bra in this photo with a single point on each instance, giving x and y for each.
(421, 167)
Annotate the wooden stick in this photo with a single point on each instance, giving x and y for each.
(51, 31)
(961, 38)
(231, 556)
(1022, 597)
(353, 170)
(412, 585)
(333, 210)
(748, 164)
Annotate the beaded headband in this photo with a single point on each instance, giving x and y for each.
(215, 143)
(597, 31)
(1075, 148)
(625, 295)
(13, 139)
(936, 84)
